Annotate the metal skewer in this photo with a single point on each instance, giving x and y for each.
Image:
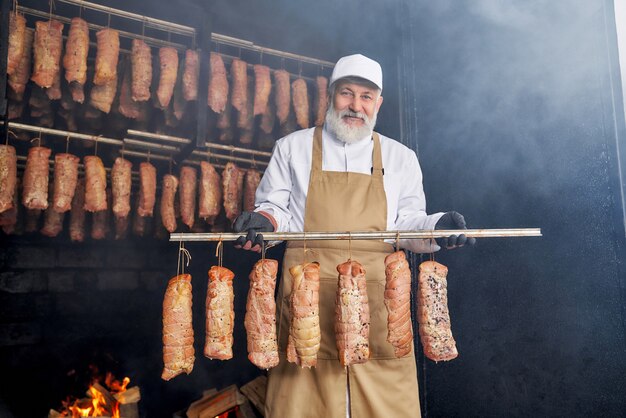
(362, 235)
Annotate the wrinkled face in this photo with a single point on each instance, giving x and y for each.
(352, 113)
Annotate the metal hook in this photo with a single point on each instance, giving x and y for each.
(109, 21)
(67, 144)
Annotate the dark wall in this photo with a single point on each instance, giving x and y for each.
(516, 128)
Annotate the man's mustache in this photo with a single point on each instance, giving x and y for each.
(352, 114)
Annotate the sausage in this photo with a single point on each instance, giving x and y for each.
(141, 62)
(121, 182)
(218, 84)
(260, 319)
(17, 81)
(283, 95)
(322, 100)
(432, 312)
(8, 176)
(100, 221)
(102, 96)
(53, 220)
(188, 187)
(178, 352)
(168, 58)
(17, 35)
(210, 202)
(232, 183)
(76, 51)
(398, 302)
(191, 74)
(168, 195)
(239, 76)
(352, 314)
(304, 328)
(220, 314)
(147, 189)
(301, 102)
(95, 184)
(251, 182)
(35, 180)
(47, 47)
(77, 213)
(65, 178)
(262, 88)
(107, 56)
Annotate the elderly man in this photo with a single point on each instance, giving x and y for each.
(344, 177)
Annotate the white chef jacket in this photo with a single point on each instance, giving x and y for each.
(284, 186)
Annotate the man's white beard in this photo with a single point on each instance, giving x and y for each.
(345, 132)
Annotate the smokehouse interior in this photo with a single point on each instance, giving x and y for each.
(141, 139)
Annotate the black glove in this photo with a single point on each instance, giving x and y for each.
(254, 223)
(453, 220)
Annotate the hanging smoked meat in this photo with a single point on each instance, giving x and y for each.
(304, 328)
(121, 182)
(283, 95)
(268, 118)
(21, 75)
(121, 227)
(220, 314)
(140, 223)
(168, 59)
(77, 213)
(65, 178)
(128, 107)
(251, 182)
(31, 221)
(262, 88)
(432, 312)
(179, 104)
(8, 176)
(147, 190)
(35, 179)
(107, 56)
(232, 183)
(398, 303)
(260, 319)
(78, 92)
(54, 92)
(210, 200)
(76, 50)
(239, 76)
(352, 314)
(224, 125)
(100, 221)
(102, 96)
(322, 100)
(168, 195)
(301, 102)
(95, 184)
(289, 126)
(9, 219)
(188, 190)
(141, 60)
(190, 75)
(47, 47)
(245, 120)
(218, 84)
(17, 35)
(52, 220)
(178, 352)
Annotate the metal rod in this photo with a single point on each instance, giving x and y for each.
(180, 140)
(144, 144)
(93, 26)
(65, 134)
(361, 235)
(207, 154)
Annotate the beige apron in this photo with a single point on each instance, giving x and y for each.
(384, 386)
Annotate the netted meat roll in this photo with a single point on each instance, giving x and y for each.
(178, 352)
(65, 178)
(8, 176)
(121, 182)
(220, 314)
(47, 48)
(107, 56)
(35, 179)
(95, 184)
(210, 199)
(304, 329)
(141, 62)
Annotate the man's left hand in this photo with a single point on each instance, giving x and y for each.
(453, 220)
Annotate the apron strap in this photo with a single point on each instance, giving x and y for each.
(316, 159)
(377, 157)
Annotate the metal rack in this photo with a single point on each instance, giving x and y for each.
(362, 235)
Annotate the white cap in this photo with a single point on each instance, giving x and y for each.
(358, 65)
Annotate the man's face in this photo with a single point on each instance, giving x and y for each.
(352, 113)
(356, 98)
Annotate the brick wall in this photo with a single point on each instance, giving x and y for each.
(65, 305)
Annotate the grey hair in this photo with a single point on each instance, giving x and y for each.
(351, 80)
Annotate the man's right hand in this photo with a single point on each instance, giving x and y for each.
(253, 223)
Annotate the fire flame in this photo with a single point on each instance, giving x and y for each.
(98, 405)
